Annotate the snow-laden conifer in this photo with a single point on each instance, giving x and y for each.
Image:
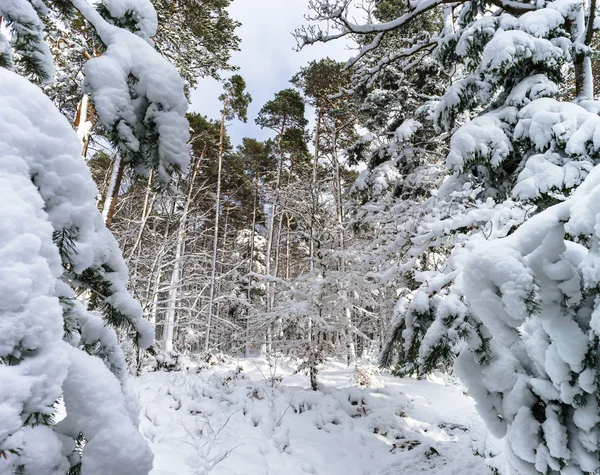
(504, 284)
(55, 245)
(54, 351)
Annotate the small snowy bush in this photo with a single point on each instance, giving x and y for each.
(365, 378)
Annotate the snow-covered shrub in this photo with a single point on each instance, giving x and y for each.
(365, 378)
(213, 359)
(313, 357)
(165, 361)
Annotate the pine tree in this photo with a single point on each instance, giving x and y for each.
(51, 346)
(197, 38)
(404, 153)
(235, 102)
(57, 249)
(318, 81)
(284, 114)
(506, 297)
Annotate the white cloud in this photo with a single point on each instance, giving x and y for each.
(267, 59)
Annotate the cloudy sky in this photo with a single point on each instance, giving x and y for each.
(267, 59)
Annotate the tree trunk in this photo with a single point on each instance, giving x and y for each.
(283, 203)
(112, 193)
(584, 80)
(312, 368)
(216, 233)
(176, 275)
(287, 248)
(314, 207)
(274, 210)
(347, 319)
(146, 211)
(84, 123)
(251, 265)
(315, 197)
(271, 232)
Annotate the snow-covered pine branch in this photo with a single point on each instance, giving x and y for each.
(137, 93)
(535, 295)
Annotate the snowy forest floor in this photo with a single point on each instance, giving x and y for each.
(235, 418)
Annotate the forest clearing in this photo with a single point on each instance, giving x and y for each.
(299, 236)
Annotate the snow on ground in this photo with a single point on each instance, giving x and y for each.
(243, 418)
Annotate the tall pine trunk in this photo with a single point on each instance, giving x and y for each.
(271, 232)
(314, 191)
(213, 273)
(84, 123)
(137, 245)
(347, 316)
(251, 265)
(176, 275)
(314, 206)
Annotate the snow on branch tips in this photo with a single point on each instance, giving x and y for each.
(30, 52)
(137, 16)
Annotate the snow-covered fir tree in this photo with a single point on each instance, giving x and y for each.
(58, 255)
(515, 149)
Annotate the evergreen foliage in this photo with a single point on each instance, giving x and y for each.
(53, 348)
(476, 256)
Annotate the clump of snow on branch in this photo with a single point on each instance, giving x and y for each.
(140, 12)
(149, 125)
(534, 293)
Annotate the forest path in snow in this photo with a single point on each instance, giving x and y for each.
(243, 418)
